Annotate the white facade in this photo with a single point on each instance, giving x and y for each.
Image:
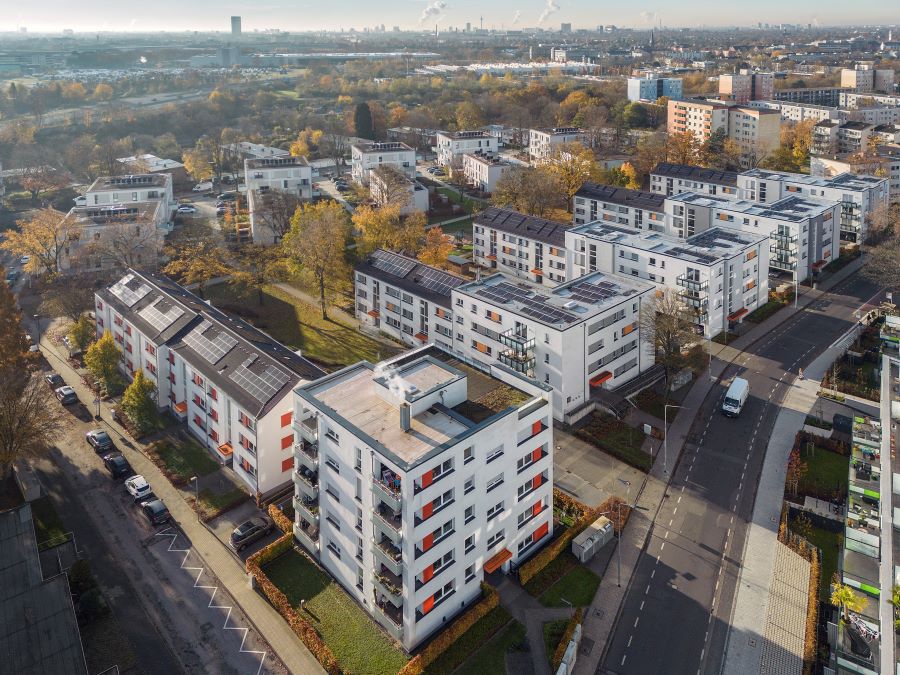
(651, 87)
(366, 157)
(672, 179)
(416, 193)
(542, 142)
(185, 347)
(800, 112)
(452, 145)
(634, 208)
(286, 174)
(407, 500)
(136, 188)
(483, 171)
(718, 273)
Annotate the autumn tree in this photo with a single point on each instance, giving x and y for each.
(43, 238)
(307, 142)
(257, 266)
(650, 151)
(82, 332)
(35, 169)
(389, 186)
(572, 164)
(882, 223)
(535, 191)
(102, 361)
(633, 179)
(315, 247)
(682, 148)
(197, 164)
(28, 426)
(333, 143)
(384, 227)
(883, 266)
(102, 92)
(469, 116)
(139, 402)
(667, 325)
(196, 256)
(13, 344)
(68, 296)
(436, 249)
(127, 241)
(274, 210)
(844, 597)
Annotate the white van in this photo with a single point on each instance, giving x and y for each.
(735, 397)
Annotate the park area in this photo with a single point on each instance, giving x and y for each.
(616, 438)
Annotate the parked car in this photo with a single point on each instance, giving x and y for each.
(227, 197)
(80, 201)
(156, 512)
(187, 208)
(249, 531)
(55, 380)
(12, 276)
(205, 186)
(99, 440)
(138, 488)
(66, 395)
(24, 260)
(117, 465)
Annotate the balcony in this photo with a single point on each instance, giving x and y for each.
(784, 265)
(308, 509)
(519, 343)
(309, 429)
(777, 247)
(692, 285)
(521, 363)
(388, 555)
(388, 585)
(308, 483)
(387, 523)
(784, 238)
(697, 302)
(307, 454)
(308, 535)
(390, 617)
(388, 494)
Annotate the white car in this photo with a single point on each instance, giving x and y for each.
(203, 187)
(24, 260)
(187, 208)
(138, 487)
(80, 201)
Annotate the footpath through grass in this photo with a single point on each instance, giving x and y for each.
(359, 645)
(469, 642)
(616, 438)
(490, 659)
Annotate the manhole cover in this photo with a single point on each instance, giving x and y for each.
(586, 646)
(752, 642)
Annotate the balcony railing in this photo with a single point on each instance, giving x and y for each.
(387, 494)
(307, 454)
(308, 535)
(389, 518)
(307, 508)
(388, 555)
(389, 616)
(784, 237)
(308, 485)
(388, 584)
(695, 302)
(785, 265)
(518, 343)
(694, 285)
(309, 430)
(519, 362)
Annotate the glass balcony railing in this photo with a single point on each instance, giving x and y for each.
(693, 285)
(516, 342)
(521, 363)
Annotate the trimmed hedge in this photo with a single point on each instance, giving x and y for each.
(566, 638)
(568, 505)
(440, 644)
(812, 610)
(282, 521)
(303, 629)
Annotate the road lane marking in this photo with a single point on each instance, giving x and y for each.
(630, 638)
(642, 606)
(670, 522)
(647, 590)
(636, 621)
(623, 659)
(661, 548)
(653, 572)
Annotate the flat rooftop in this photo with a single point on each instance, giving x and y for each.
(562, 306)
(274, 162)
(794, 209)
(143, 180)
(706, 248)
(460, 135)
(846, 180)
(389, 146)
(106, 214)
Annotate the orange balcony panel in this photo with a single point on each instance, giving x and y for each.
(181, 407)
(819, 265)
(494, 563)
(225, 450)
(491, 257)
(537, 271)
(373, 313)
(422, 337)
(605, 376)
(738, 314)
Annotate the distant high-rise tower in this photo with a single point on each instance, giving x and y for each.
(565, 28)
(236, 26)
(468, 26)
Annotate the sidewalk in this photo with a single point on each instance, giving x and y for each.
(267, 622)
(601, 616)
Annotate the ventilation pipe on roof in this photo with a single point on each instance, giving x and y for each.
(405, 417)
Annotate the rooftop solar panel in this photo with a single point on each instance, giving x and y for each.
(392, 263)
(211, 349)
(437, 281)
(261, 385)
(161, 313)
(129, 290)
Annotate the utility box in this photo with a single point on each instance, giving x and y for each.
(595, 536)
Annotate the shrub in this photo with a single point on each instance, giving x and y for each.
(281, 520)
(417, 665)
(81, 579)
(568, 505)
(566, 638)
(812, 607)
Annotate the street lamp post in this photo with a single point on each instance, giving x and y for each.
(666, 435)
(37, 320)
(796, 286)
(193, 479)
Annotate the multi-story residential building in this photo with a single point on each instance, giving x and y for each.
(246, 150)
(800, 112)
(635, 208)
(672, 179)
(651, 87)
(523, 246)
(452, 145)
(147, 163)
(581, 335)
(150, 187)
(285, 173)
(851, 99)
(388, 185)
(230, 383)
(484, 170)
(406, 299)
(746, 86)
(698, 117)
(804, 231)
(865, 79)
(756, 131)
(543, 142)
(831, 138)
(716, 272)
(419, 476)
(366, 157)
(885, 134)
(829, 96)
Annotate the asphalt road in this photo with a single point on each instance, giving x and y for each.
(676, 613)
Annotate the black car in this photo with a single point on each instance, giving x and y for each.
(117, 465)
(249, 531)
(55, 380)
(100, 441)
(155, 512)
(226, 196)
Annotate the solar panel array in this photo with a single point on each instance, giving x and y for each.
(594, 293)
(160, 318)
(261, 386)
(530, 305)
(128, 290)
(437, 281)
(702, 257)
(392, 263)
(210, 349)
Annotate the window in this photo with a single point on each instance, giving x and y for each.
(496, 481)
(495, 539)
(470, 543)
(359, 549)
(494, 511)
(358, 464)
(494, 454)
(359, 522)
(468, 455)
(332, 464)
(443, 563)
(470, 514)
(334, 549)
(442, 470)
(470, 573)
(469, 486)
(359, 578)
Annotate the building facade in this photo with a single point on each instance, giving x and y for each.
(543, 142)
(287, 174)
(635, 208)
(366, 157)
(651, 87)
(452, 145)
(746, 86)
(482, 171)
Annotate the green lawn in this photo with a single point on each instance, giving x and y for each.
(480, 632)
(617, 438)
(185, 458)
(47, 523)
(826, 475)
(555, 570)
(762, 313)
(490, 659)
(213, 501)
(576, 588)
(468, 204)
(553, 634)
(299, 325)
(829, 544)
(357, 642)
(651, 401)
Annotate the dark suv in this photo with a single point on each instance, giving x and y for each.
(117, 465)
(156, 512)
(249, 531)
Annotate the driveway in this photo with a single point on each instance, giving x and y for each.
(589, 474)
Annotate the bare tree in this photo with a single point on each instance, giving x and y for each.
(28, 426)
(533, 191)
(275, 211)
(389, 186)
(70, 297)
(333, 143)
(128, 241)
(668, 324)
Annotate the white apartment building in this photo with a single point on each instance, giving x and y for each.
(851, 99)
(635, 208)
(582, 335)
(248, 150)
(700, 117)
(452, 145)
(418, 476)
(832, 138)
(800, 112)
(366, 157)
(484, 170)
(672, 179)
(230, 383)
(542, 142)
(147, 187)
(526, 247)
(804, 231)
(650, 87)
(406, 299)
(717, 272)
(383, 190)
(864, 79)
(746, 86)
(285, 173)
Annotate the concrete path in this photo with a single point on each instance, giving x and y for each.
(206, 548)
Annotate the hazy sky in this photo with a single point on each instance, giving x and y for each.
(295, 15)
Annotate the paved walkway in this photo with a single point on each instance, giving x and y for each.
(230, 573)
(602, 614)
(785, 631)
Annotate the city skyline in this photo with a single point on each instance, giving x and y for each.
(425, 14)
